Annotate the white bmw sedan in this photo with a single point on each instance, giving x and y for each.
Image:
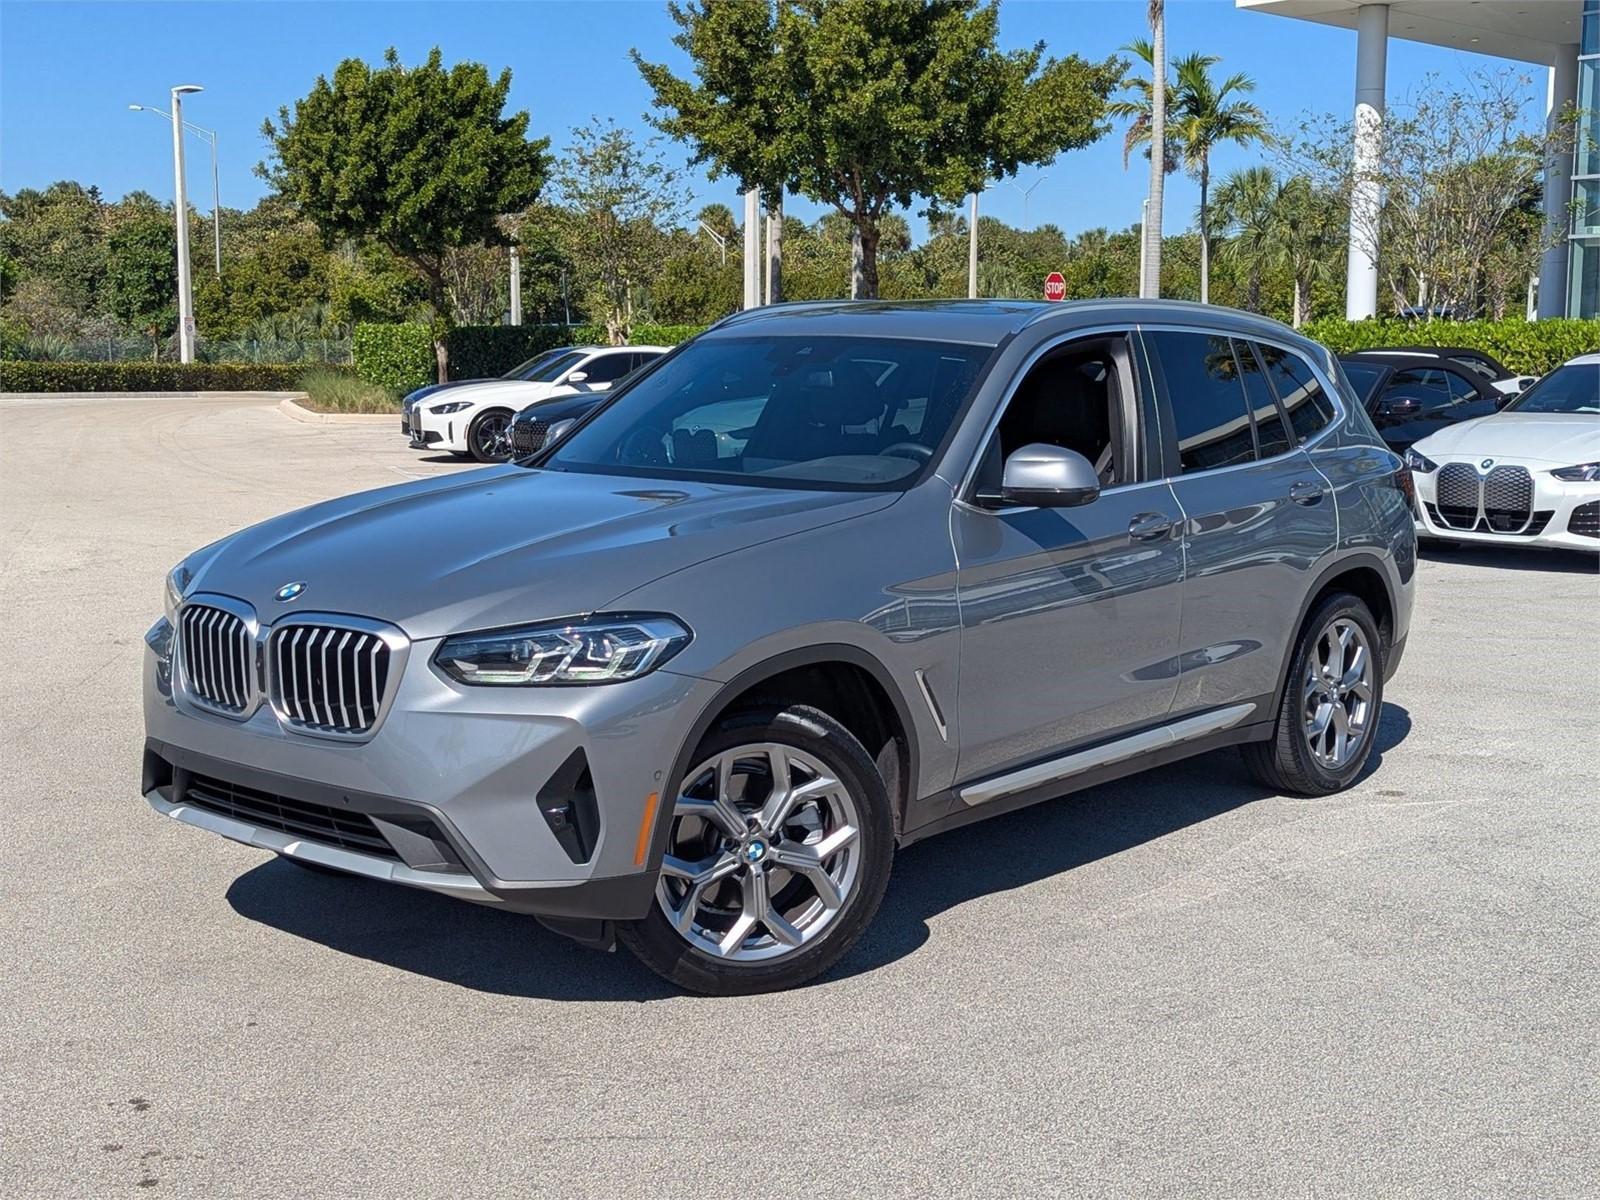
(1529, 475)
(476, 419)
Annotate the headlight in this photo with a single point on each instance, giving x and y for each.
(1582, 473)
(453, 406)
(598, 649)
(178, 580)
(1420, 462)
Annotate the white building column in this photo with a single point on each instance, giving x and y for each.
(1560, 98)
(752, 248)
(1366, 194)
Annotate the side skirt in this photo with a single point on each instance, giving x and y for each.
(960, 814)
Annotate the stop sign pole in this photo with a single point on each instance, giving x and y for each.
(1055, 286)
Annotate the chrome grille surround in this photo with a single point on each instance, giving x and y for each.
(1500, 501)
(333, 676)
(217, 663)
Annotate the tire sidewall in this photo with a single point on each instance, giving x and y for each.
(665, 951)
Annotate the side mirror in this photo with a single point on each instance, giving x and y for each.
(1045, 476)
(1399, 408)
(1504, 398)
(577, 376)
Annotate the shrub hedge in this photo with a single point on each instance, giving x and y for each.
(19, 376)
(1525, 347)
(397, 357)
(401, 356)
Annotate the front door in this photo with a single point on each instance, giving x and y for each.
(1069, 616)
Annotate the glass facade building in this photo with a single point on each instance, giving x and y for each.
(1583, 269)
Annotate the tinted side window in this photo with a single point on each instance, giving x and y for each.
(1208, 406)
(608, 368)
(1461, 389)
(1310, 411)
(1272, 436)
(1425, 385)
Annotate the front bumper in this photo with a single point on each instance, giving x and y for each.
(1558, 515)
(438, 431)
(478, 793)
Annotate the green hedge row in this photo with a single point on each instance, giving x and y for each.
(401, 356)
(19, 376)
(1526, 347)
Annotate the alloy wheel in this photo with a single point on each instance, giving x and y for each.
(1337, 693)
(763, 853)
(492, 435)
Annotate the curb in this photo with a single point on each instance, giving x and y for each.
(289, 408)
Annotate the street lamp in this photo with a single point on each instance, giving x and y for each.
(180, 214)
(209, 135)
(1026, 192)
(722, 242)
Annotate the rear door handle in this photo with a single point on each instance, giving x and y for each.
(1306, 493)
(1147, 527)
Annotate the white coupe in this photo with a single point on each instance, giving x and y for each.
(1529, 475)
(476, 418)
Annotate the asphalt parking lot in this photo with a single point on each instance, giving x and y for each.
(1171, 985)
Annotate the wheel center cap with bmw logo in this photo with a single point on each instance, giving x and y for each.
(755, 850)
(289, 591)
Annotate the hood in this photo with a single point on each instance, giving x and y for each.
(502, 546)
(513, 393)
(1555, 438)
(433, 389)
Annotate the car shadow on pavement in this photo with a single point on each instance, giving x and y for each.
(1510, 558)
(508, 954)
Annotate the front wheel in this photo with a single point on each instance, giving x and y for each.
(489, 436)
(1331, 700)
(778, 853)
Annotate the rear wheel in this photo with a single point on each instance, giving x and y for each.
(777, 856)
(1329, 715)
(489, 436)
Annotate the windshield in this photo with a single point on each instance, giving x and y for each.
(844, 413)
(525, 370)
(1574, 388)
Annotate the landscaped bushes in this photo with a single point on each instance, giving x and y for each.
(20, 376)
(1526, 347)
(401, 356)
(397, 357)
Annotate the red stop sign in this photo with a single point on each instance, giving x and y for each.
(1055, 286)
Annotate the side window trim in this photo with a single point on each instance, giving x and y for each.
(1249, 347)
(1329, 389)
(1135, 416)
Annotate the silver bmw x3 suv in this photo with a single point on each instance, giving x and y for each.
(824, 581)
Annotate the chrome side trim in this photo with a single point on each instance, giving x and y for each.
(1098, 756)
(933, 705)
(462, 887)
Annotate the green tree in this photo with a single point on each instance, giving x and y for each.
(1207, 114)
(56, 235)
(142, 277)
(864, 104)
(421, 159)
(1245, 210)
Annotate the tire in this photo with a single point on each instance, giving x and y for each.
(1298, 759)
(724, 947)
(487, 436)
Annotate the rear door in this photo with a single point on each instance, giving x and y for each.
(1257, 515)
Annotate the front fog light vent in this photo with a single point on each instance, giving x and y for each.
(567, 804)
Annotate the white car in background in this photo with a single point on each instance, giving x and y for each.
(1529, 475)
(476, 419)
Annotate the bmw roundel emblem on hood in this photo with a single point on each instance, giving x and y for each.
(1487, 463)
(290, 590)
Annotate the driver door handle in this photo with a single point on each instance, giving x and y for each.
(1147, 527)
(1306, 493)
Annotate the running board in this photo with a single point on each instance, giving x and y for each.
(1076, 763)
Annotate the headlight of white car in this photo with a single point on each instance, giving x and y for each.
(452, 407)
(1420, 463)
(1582, 473)
(598, 649)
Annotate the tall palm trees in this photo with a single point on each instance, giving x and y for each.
(1292, 224)
(1150, 285)
(1204, 114)
(1245, 209)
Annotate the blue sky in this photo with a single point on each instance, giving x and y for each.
(68, 71)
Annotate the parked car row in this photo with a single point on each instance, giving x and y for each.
(474, 417)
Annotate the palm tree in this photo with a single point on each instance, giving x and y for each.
(1307, 230)
(1146, 111)
(1245, 210)
(1208, 115)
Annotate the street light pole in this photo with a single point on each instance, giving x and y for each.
(1026, 192)
(210, 136)
(181, 216)
(972, 251)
